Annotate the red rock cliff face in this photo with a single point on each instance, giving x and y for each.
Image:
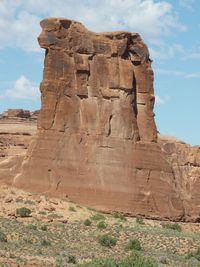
(97, 139)
(185, 162)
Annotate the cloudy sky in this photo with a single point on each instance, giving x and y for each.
(171, 28)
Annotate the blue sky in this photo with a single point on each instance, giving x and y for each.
(171, 28)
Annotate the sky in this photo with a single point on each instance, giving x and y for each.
(170, 28)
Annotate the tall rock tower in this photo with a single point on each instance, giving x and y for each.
(97, 139)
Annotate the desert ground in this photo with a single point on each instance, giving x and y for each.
(59, 232)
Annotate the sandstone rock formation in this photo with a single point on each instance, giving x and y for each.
(16, 113)
(15, 136)
(19, 113)
(97, 140)
(185, 162)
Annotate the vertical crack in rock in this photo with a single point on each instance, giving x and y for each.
(109, 125)
(148, 175)
(57, 185)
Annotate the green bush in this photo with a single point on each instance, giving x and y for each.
(119, 215)
(133, 244)
(71, 259)
(87, 222)
(163, 260)
(29, 202)
(72, 209)
(64, 259)
(98, 217)
(44, 227)
(45, 243)
(172, 226)
(3, 237)
(42, 212)
(195, 254)
(140, 220)
(102, 225)
(23, 212)
(32, 226)
(135, 260)
(19, 200)
(107, 240)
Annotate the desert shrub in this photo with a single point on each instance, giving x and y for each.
(72, 209)
(119, 215)
(92, 209)
(172, 226)
(195, 254)
(108, 262)
(64, 259)
(44, 227)
(71, 259)
(23, 212)
(3, 237)
(139, 220)
(28, 240)
(45, 243)
(135, 260)
(32, 226)
(19, 200)
(54, 216)
(107, 240)
(133, 244)
(87, 222)
(163, 260)
(98, 217)
(42, 212)
(102, 225)
(29, 202)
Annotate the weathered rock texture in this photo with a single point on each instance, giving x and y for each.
(97, 139)
(15, 136)
(185, 162)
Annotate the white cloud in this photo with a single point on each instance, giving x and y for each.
(19, 19)
(169, 72)
(193, 75)
(164, 51)
(188, 4)
(159, 100)
(22, 88)
(177, 73)
(18, 27)
(192, 55)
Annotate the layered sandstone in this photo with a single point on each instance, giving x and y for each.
(185, 162)
(97, 140)
(18, 114)
(15, 135)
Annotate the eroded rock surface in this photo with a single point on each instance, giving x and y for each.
(185, 162)
(15, 135)
(97, 139)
